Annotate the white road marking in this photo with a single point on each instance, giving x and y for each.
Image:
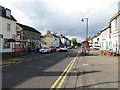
(85, 64)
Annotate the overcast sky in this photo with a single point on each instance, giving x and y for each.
(63, 16)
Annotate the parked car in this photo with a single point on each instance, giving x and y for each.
(57, 48)
(69, 47)
(53, 48)
(63, 49)
(45, 50)
(85, 52)
(96, 48)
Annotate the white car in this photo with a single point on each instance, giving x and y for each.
(96, 48)
(45, 50)
(63, 49)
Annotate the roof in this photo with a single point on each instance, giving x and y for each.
(52, 35)
(64, 37)
(115, 16)
(105, 29)
(3, 13)
(55, 35)
(27, 28)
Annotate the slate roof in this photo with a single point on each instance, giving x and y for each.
(27, 28)
(55, 35)
(3, 14)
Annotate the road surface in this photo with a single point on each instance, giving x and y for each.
(61, 70)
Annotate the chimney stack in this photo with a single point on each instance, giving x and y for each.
(48, 32)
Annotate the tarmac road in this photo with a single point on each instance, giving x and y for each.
(37, 70)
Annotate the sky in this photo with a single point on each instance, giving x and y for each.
(63, 16)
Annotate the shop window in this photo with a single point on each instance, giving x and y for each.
(6, 44)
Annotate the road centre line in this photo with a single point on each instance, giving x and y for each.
(64, 72)
(55, 83)
(60, 84)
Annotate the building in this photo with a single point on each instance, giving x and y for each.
(64, 40)
(105, 39)
(30, 34)
(7, 30)
(51, 39)
(115, 32)
(95, 42)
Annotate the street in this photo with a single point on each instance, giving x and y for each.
(61, 70)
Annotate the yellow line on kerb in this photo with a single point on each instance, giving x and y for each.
(62, 75)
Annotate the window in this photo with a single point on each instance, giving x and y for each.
(8, 26)
(97, 39)
(8, 13)
(6, 44)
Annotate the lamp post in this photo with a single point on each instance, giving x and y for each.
(83, 19)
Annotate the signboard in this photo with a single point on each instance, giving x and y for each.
(13, 36)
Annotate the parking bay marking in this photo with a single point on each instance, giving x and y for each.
(64, 74)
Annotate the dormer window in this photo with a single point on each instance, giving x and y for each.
(8, 12)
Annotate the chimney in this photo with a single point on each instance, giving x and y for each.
(48, 32)
(8, 12)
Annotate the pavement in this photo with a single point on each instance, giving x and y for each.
(93, 72)
(62, 69)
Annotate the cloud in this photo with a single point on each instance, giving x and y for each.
(64, 16)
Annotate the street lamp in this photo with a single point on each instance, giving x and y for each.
(83, 19)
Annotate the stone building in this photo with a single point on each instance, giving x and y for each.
(51, 39)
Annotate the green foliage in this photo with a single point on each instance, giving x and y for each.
(89, 38)
(74, 40)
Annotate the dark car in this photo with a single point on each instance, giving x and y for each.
(53, 48)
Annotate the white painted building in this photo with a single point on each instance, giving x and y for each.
(105, 40)
(96, 42)
(7, 29)
(115, 32)
(63, 39)
(56, 41)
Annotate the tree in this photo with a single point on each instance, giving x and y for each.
(74, 40)
(89, 38)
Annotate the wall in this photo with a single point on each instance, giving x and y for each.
(115, 32)
(49, 40)
(57, 42)
(7, 34)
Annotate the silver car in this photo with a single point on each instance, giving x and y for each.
(63, 49)
(45, 50)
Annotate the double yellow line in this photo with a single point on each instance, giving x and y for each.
(58, 83)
